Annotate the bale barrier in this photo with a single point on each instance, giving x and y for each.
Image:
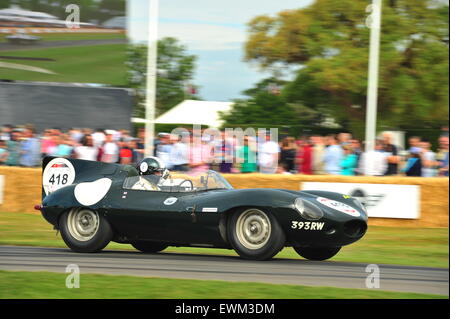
(22, 191)
(434, 208)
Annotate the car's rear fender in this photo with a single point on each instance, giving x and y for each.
(57, 203)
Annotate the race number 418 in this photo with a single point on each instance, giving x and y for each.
(58, 179)
(58, 173)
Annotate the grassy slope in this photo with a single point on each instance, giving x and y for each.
(52, 285)
(85, 64)
(381, 245)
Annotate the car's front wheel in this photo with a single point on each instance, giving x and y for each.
(255, 234)
(148, 246)
(84, 230)
(317, 253)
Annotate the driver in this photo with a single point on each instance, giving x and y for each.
(155, 173)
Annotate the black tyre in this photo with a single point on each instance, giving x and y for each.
(255, 234)
(148, 246)
(84, 230)
(317, 253)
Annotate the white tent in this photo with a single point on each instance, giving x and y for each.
(116, 22)
(16, 14)
(195, 112)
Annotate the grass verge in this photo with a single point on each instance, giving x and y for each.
(381, 245)
(45, 285)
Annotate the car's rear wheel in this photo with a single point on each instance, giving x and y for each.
(84, 230)
(148, 246)
(255, 234)
(317, 253)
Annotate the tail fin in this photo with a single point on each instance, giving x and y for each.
(58, 172)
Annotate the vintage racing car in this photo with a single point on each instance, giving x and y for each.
(93, 203)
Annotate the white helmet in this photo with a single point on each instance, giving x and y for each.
(152, 166)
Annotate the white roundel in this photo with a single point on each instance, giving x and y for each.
(170, 201)
(58, 173)
(143, 167)
(341, 207)
(90, 193)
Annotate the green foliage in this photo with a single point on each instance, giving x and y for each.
(268, 106)
(330, 40)
(263, 109)
(175, 70)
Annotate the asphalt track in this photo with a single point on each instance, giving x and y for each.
(229, 268)
(5, 46)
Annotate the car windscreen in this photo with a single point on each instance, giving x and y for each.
(178, 182)
(143, 183)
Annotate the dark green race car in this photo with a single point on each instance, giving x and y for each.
(93, 203)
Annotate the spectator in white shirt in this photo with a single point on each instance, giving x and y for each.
(333, 156)
(428, 159)
(110, 150)
(5, 133)
(374, 163)
(178, 156)
(163, 149)
(98, 138)
(87, 150)
(268, 156)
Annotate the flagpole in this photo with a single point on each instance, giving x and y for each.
(372, 87)
(150, 100)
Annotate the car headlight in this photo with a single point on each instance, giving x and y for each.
(360, 205)
(307, 209)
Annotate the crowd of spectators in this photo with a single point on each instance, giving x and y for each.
(21, 146)
(339, 154)
(342, 154)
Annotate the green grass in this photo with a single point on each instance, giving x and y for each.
(381, 245)
(72, 36)
(45, 285)
(85, 64)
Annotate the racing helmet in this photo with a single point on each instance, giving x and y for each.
(153, 166)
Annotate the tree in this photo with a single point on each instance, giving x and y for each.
(265, 110)
(267, 107)
(175, 71)
(110, 8)
(330, 40)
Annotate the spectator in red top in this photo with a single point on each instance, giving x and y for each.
(125, 152)
(304, 157)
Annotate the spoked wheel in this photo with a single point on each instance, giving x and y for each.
(255, 234)
(84, 230)
(317, 253)
(148, 246)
